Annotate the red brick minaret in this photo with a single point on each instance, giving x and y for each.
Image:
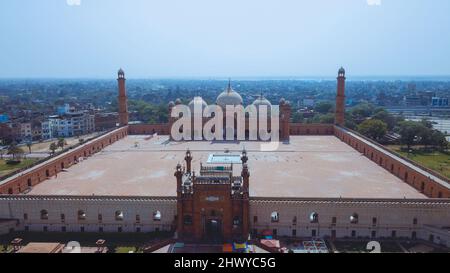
(340, 98)
(123, 107)
(188, 159)
(285, 119)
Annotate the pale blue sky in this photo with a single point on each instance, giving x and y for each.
(218, 38)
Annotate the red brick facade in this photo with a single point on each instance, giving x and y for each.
(404, 169)
(37, 174)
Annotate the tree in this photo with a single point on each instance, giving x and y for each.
(373, 128)
(15, 151)
(386, 117)
(323, 107)
(438, 140)
(29, 144)
(53, 147)
(327, 118)
(61, 143)
(410, 132)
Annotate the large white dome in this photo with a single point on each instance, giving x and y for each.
(229, 97)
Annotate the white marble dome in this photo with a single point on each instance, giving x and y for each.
(229, 97)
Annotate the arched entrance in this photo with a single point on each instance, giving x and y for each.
(213, 231)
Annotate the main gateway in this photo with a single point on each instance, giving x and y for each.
(323, 180)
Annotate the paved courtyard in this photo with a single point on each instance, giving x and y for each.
(309, 166)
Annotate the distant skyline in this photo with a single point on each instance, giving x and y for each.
(220, 39)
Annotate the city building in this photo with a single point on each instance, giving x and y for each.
(439, 102)
(68, 123)
(324, 180)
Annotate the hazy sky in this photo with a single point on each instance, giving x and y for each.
(218, 38)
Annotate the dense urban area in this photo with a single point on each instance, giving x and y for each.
(38, 118)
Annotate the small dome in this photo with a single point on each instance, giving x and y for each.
(229, 97)
(341, 70)
(261, 100)
(121, 72)
(197, 101)
(282, 101)
(178, 101)
(171, 104)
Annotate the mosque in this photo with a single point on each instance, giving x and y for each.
(324, 180)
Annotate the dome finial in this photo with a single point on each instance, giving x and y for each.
(229, 85)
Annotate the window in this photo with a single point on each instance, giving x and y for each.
(45, 228)
(313, 233)
(29, 182)
(157, 216)
(294, 232)
(255, 219)
(81, 229)
(138, 229)
(294, 220)
(415, 221)
(374, 221)
(138, 218)
(81, 215)
(333, 221)
(47, 173)
(119, 229)
(25, 216)
(100, 229)
(373, 234)
(44, 214)
(236, 221)
(63, 229)
(275, 217)
(354, 218)
(394, 234)
(63, 217)
(314, 217)
(119, 215)
(414, 235)
(353, 233)
(274, 232)
(187, 220)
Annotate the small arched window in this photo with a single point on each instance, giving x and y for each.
(354, 218)
(81, 215)
(119, 215)
(275, 217)
(44, 214)
(157, 216)
(314, 217)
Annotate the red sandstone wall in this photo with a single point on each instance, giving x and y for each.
(386, 160)
(54, 165)
(311, 129)
(149, 129)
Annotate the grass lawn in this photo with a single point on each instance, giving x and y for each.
(437, 161)
(5, 168)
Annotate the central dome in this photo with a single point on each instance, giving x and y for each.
(229, 97)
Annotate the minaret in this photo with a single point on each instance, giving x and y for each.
(179, 175)
(285, 118)
(245, 201)
(123, 107)
(340, 98)
(188, 159)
